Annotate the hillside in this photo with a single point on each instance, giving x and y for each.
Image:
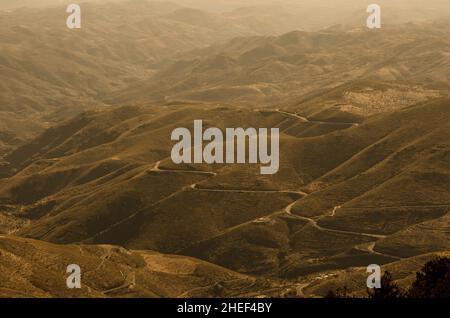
(404, 273)
(31, 268)
(112, 271)
(87, 175)
(133, 52)
(73, 70)
(408, 64)
(114, 184)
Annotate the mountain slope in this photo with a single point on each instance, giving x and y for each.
(74, 70)
(412, 60)
(336, 195)
(31, 268)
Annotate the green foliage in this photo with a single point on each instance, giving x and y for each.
(433, 281)
(343, 292)
(389, 289)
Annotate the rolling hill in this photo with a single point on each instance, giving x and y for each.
(409, 63)
(341, 198)
(31, 268)
(73, 70)
(86, 174)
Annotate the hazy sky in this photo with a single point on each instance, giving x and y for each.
(214, 4)
(321, 10)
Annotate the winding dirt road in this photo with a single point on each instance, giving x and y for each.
(306, 120)
(194, 187)
(313, 222)
(288, 210)
(129, 283)
(370, 247)
(156, 168)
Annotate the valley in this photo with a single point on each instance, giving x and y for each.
(359, 169)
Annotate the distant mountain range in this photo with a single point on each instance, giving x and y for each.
(267, 70)
(86, 175)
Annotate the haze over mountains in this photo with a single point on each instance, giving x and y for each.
(68, 71)
(262, 70)
(86, 117)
